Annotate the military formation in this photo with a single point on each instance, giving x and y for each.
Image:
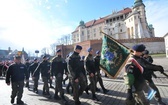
(83, 73)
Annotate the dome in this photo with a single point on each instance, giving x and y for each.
(82, 23)
(138, 3)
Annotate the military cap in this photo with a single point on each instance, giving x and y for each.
(27, 59)
(97, 52)
(89, 49)
(35, 59)
(146, 52)
(139, 47)
(78, 47)
(44, 56)
(17, 56)
(59, 50)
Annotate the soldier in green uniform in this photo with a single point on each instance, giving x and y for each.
(78, 79)
(44, 69)
(148, 77)
(57, 70)
(134, 77)
(91, 70)
(98, 75)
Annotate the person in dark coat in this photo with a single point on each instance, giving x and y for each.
(78, 80)
(148, 77)
(57, 70)
(35, 78)
(44, 69)
(98, 75)
(91, 70)
(15, 76)
(27, 63)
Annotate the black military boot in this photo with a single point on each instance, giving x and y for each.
(105, 91)
(87, 90)
(12, 100)
(161, 103)
(20, 102)
(77, 103)
(95, 98)
(56, 97)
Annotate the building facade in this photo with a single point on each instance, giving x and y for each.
(129, 23)
(166, 44)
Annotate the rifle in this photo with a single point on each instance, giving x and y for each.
(165, 74)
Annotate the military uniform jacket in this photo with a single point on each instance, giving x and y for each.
(58, 65)
(32, 68)
(97, 62)
(74, 65)
(43, 68)
(16, 72)
(89, 64)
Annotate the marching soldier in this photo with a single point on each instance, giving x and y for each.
(133, 77)
(44, 69)
(148, 77)
(98, 75)
(27, 63)
(91, 70)
(15, 75)
(57, 70)
(35, 77)
(78, 79)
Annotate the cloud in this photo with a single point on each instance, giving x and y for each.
(156, 11)
(21, 25)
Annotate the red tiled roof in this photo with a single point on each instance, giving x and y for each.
(125, 10)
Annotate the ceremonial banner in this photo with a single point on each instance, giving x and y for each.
(113, 56)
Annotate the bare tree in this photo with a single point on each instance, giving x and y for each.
(53, 48)
(43, 51)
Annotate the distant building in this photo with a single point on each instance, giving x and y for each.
(166, 44)
(129, 23)
(4, 54)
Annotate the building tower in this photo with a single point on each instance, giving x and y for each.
(140, 7)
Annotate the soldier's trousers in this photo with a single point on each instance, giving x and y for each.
(17, 89)
(45, 86)
(92, 85)
(157, 95)
(79, 87)
(99, 79)
(36, 82)
(58, 84)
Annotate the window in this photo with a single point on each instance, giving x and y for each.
(100, 28)
(110, 20)
(117, 18)
(120, 30)
(94, 35)
(114, 19)
(88, 32)
(82, 33)
(106, 21)
(135, 17)
(121, 17)
(94, 30)
(119, 24)
(110, 24)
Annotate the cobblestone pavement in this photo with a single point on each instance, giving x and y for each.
(115, 96)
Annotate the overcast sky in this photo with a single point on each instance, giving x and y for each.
(35, 24)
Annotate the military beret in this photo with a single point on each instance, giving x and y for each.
(44, 56)
(35, 59)
(78, 47)
(89, 49)
(83, 57)
(139, 47)
(17, 57)
(146, 52)
(97, 52)
(59, 50)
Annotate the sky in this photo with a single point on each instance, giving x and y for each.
(35, 24)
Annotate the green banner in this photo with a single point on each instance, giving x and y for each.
(113, 56)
